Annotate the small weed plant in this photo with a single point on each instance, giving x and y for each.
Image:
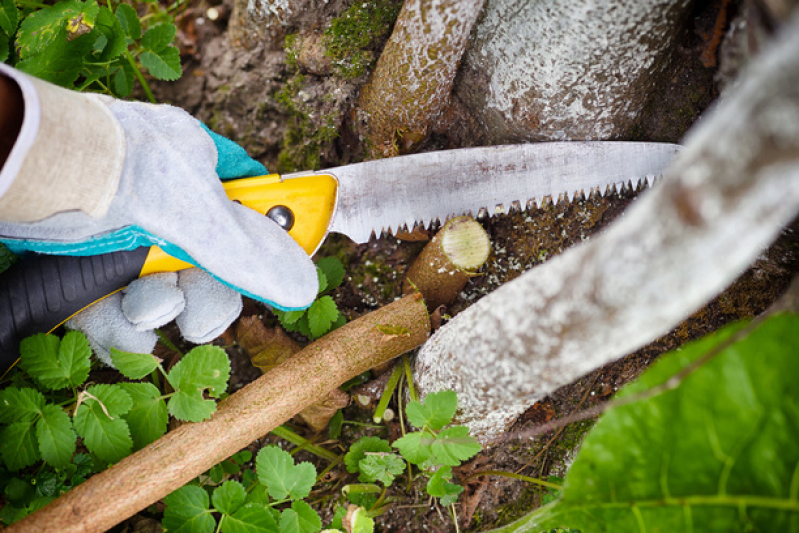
(323, 315)
(271, 499)
(49, 406)
(84, 45)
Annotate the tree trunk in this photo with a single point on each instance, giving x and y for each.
(566, 69)
(733, 188)
(413, 78)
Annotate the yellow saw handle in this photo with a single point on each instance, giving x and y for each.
(311, 199)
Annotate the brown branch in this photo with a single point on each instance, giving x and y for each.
(150, 474)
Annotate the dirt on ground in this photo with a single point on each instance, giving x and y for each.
(261, 100)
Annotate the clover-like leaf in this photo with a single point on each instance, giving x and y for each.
(99, 421)
(454, 445)
(229, 497)
(440, 487)
(382, 467)
(284, 479)
(416, 447)
(187, 511)
(250, 518)
(204, 368)
(436, 411)
(357, 451)
(300, 518)
(148, 418)
(56, 363)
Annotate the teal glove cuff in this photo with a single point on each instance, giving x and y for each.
(233, 161)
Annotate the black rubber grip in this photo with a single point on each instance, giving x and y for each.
(41, 291)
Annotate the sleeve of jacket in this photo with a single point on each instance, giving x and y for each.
(68, 155)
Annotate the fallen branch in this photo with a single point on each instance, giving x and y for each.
(150, 474)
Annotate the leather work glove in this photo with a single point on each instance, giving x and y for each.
(202, 308)
(167, 193)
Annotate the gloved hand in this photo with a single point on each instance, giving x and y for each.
(202, 308)
(170, 195)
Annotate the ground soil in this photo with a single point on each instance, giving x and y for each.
(235, 90)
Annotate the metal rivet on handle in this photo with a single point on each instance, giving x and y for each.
(282, 215)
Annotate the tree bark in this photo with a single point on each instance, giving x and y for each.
(566, 69)
(147, 476)
(727, 197)
(413, 78)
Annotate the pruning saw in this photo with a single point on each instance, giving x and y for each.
(41, 292)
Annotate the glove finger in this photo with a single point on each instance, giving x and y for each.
(152, 301)
(210, 306)
(105, 326)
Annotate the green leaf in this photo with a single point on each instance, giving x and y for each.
(110, 28)
(56, 364)
(382, 467)
(357, 451)
(19, 492)
(124, 78)
(718, 453)
(148, 418)
(361, 522)
(61, 62)
(333, 269)
(436, 411)
(321, 315)
(4, 53)
(129, 20)
(20, 448)
(48, 25)
(338, 518)
(322, 280)
(9, 16)
(250, 518)
(284, 479)
(416, 447)
(290, 317)
(203, 368)
(439, 486)
(454, 445)
(99, 421)
(229, 497)
(187, 511)
(163, 64)
(57, 440)
(20, 405)
(301, 518)
(335, 424)
(158, 37)
(133, 365)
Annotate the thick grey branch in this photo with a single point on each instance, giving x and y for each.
(733, 188)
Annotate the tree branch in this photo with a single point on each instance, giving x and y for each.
(727, 197)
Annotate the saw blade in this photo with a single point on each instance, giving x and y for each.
(389, 194)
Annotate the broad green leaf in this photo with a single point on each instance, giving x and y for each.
(439, 486)
(56, 437)
(158, 37)
(56, 363)
(19, 492)
(301, 518)
(110, 27)
(20, 405)
(9, 16)
(204, 368)
(416, 447)
(718, 453)
(187, 511)
(43, 27)
(436, 411)
(321, 315)
(129, 20)
(133, 365)
(61, 62)
(358, 450)
(229, 497)
(250, 518)
(454, 445)
(99, 421)
(163, 64)
(333, 269)
(148, 418)
(335, 424)
(20, 448)
(284, 479)
(382, 467)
